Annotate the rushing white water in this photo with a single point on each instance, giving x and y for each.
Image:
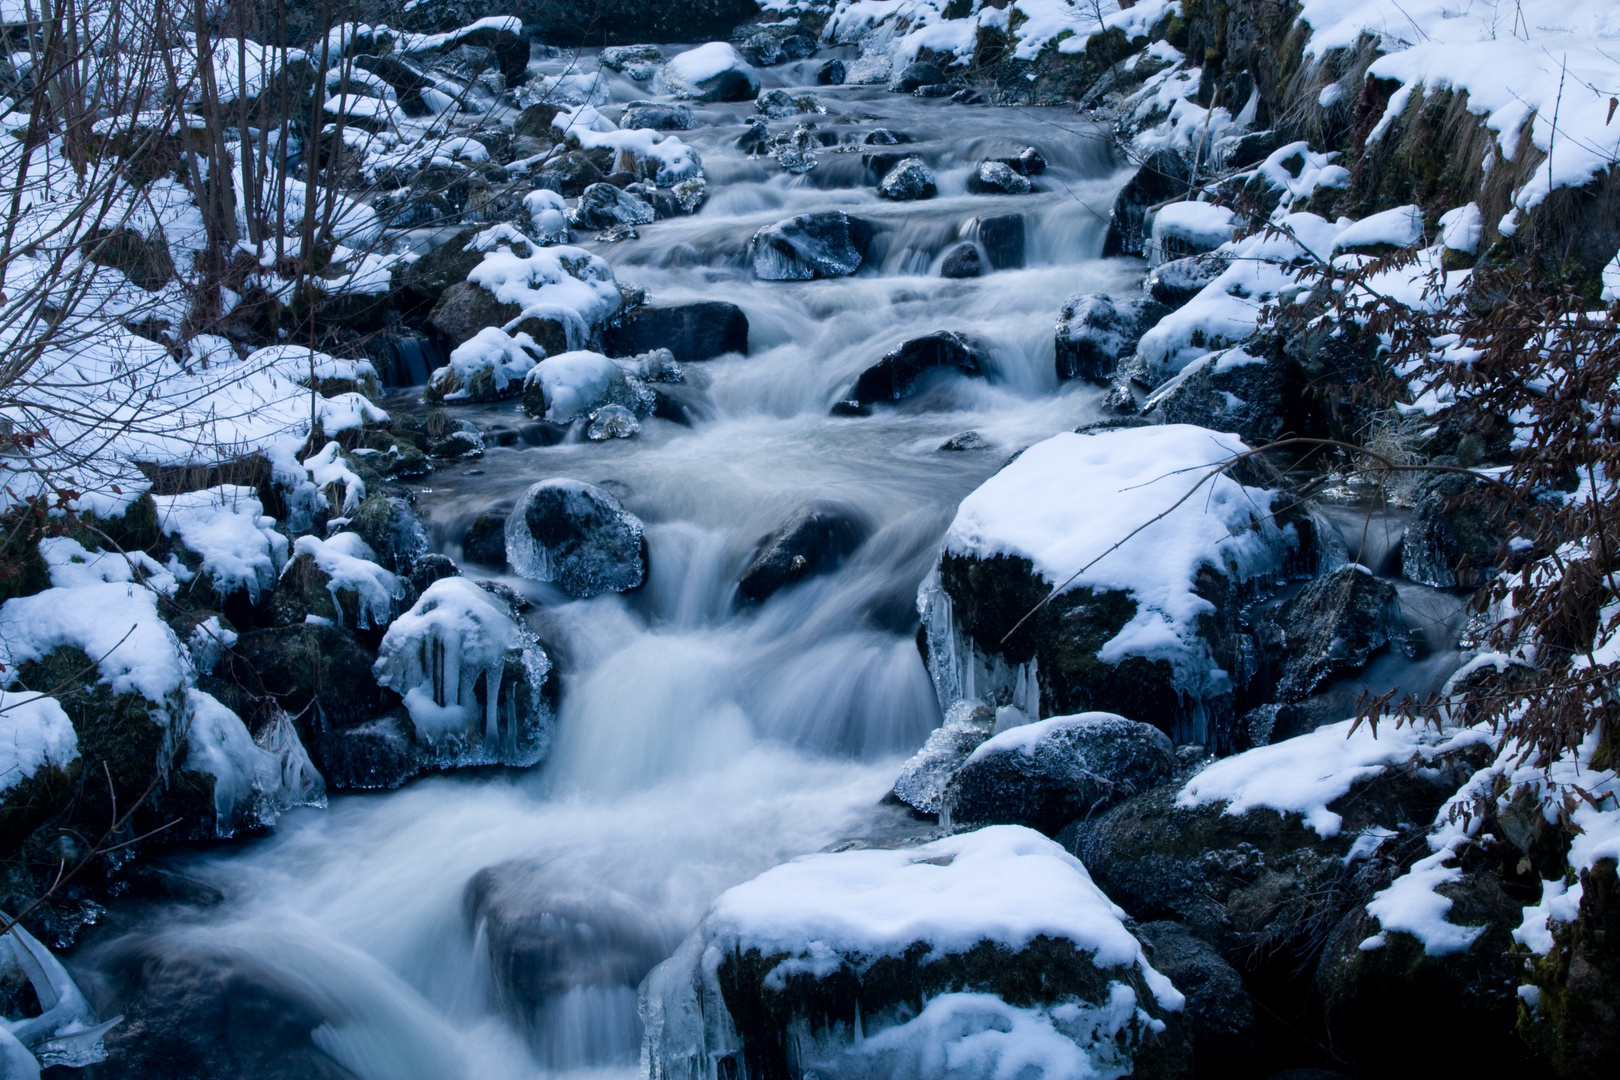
(699, 742)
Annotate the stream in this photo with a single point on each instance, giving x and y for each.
(699, 741)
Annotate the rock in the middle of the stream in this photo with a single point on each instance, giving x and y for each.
(577, 536)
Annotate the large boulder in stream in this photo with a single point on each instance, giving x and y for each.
(993, 944)
(699, 331)
(577, 536)
(823, 245)
(898, 374)
(815, 540)
(909, 181)
(1046, 774)
(1152, 581)
(550, 935)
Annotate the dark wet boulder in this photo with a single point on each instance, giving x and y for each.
(963, 261)
(658, 116)
(577, 536)
(885, 137)
(756, 140)
(535, 122)
(1046, 774)
(1163, 176)
(1229, 391)
(190, 1012)
(815, 540)
(1335, 623)
(485, 540)
(997, 178)
(377, 755)
(831, 73)
(569, 175)
(430, 568)
(916, 75)
(602, 206)
(1385, 992)
(896, 375)
(466, 308)
(1027, 162)
(908, 181)
(1457, 535)
(549, 934)
(1575, 983)
(1220, 1016)
(1003, 240)
(823, 245)
(1176, 282)
(964, 441)
(1095, 332)
(698, 331)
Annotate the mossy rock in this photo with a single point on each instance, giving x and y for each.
(1575, 1023)
(319, 674)
(33, 801)
(391, 529)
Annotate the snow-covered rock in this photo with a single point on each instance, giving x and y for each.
(1142, 560)
(712, 72)
(339, 580)
(823, 245)
(577, 536)
(1046, 774)
(488, 367)
(224, 534)
(472, 675)
(567, 387)
(1189, 228)
(883, 962)
(35, 734)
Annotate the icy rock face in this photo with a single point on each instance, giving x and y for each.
(66, 1032)
(254, 780)
(472, 675)
(823, 245)
(1094, 332)
(604, 206)
(1046, 774)
(577, 536)
(999, 935)
(909, 181)
(997, 178)
(339, 580)
(1455, 537)
(796, 151)
(1140, 628)
(922, 779)
(612, 422)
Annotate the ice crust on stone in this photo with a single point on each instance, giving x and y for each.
(548, 216)
(253, 783)
(1004, 884)
(923, 777)
(34, 733)
(66, 1032)
(462, 661)
(227, 527)
(1303, 774)
(805, 247)
(1066, 501)
(577, 536)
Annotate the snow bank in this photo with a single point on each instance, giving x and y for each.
(227, 528)
(1400, 227)
(1303, 774)
(34, 733)
(1066, 501)
(115, 624)
(1518, 65)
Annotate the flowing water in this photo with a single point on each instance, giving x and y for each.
(699, 742)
